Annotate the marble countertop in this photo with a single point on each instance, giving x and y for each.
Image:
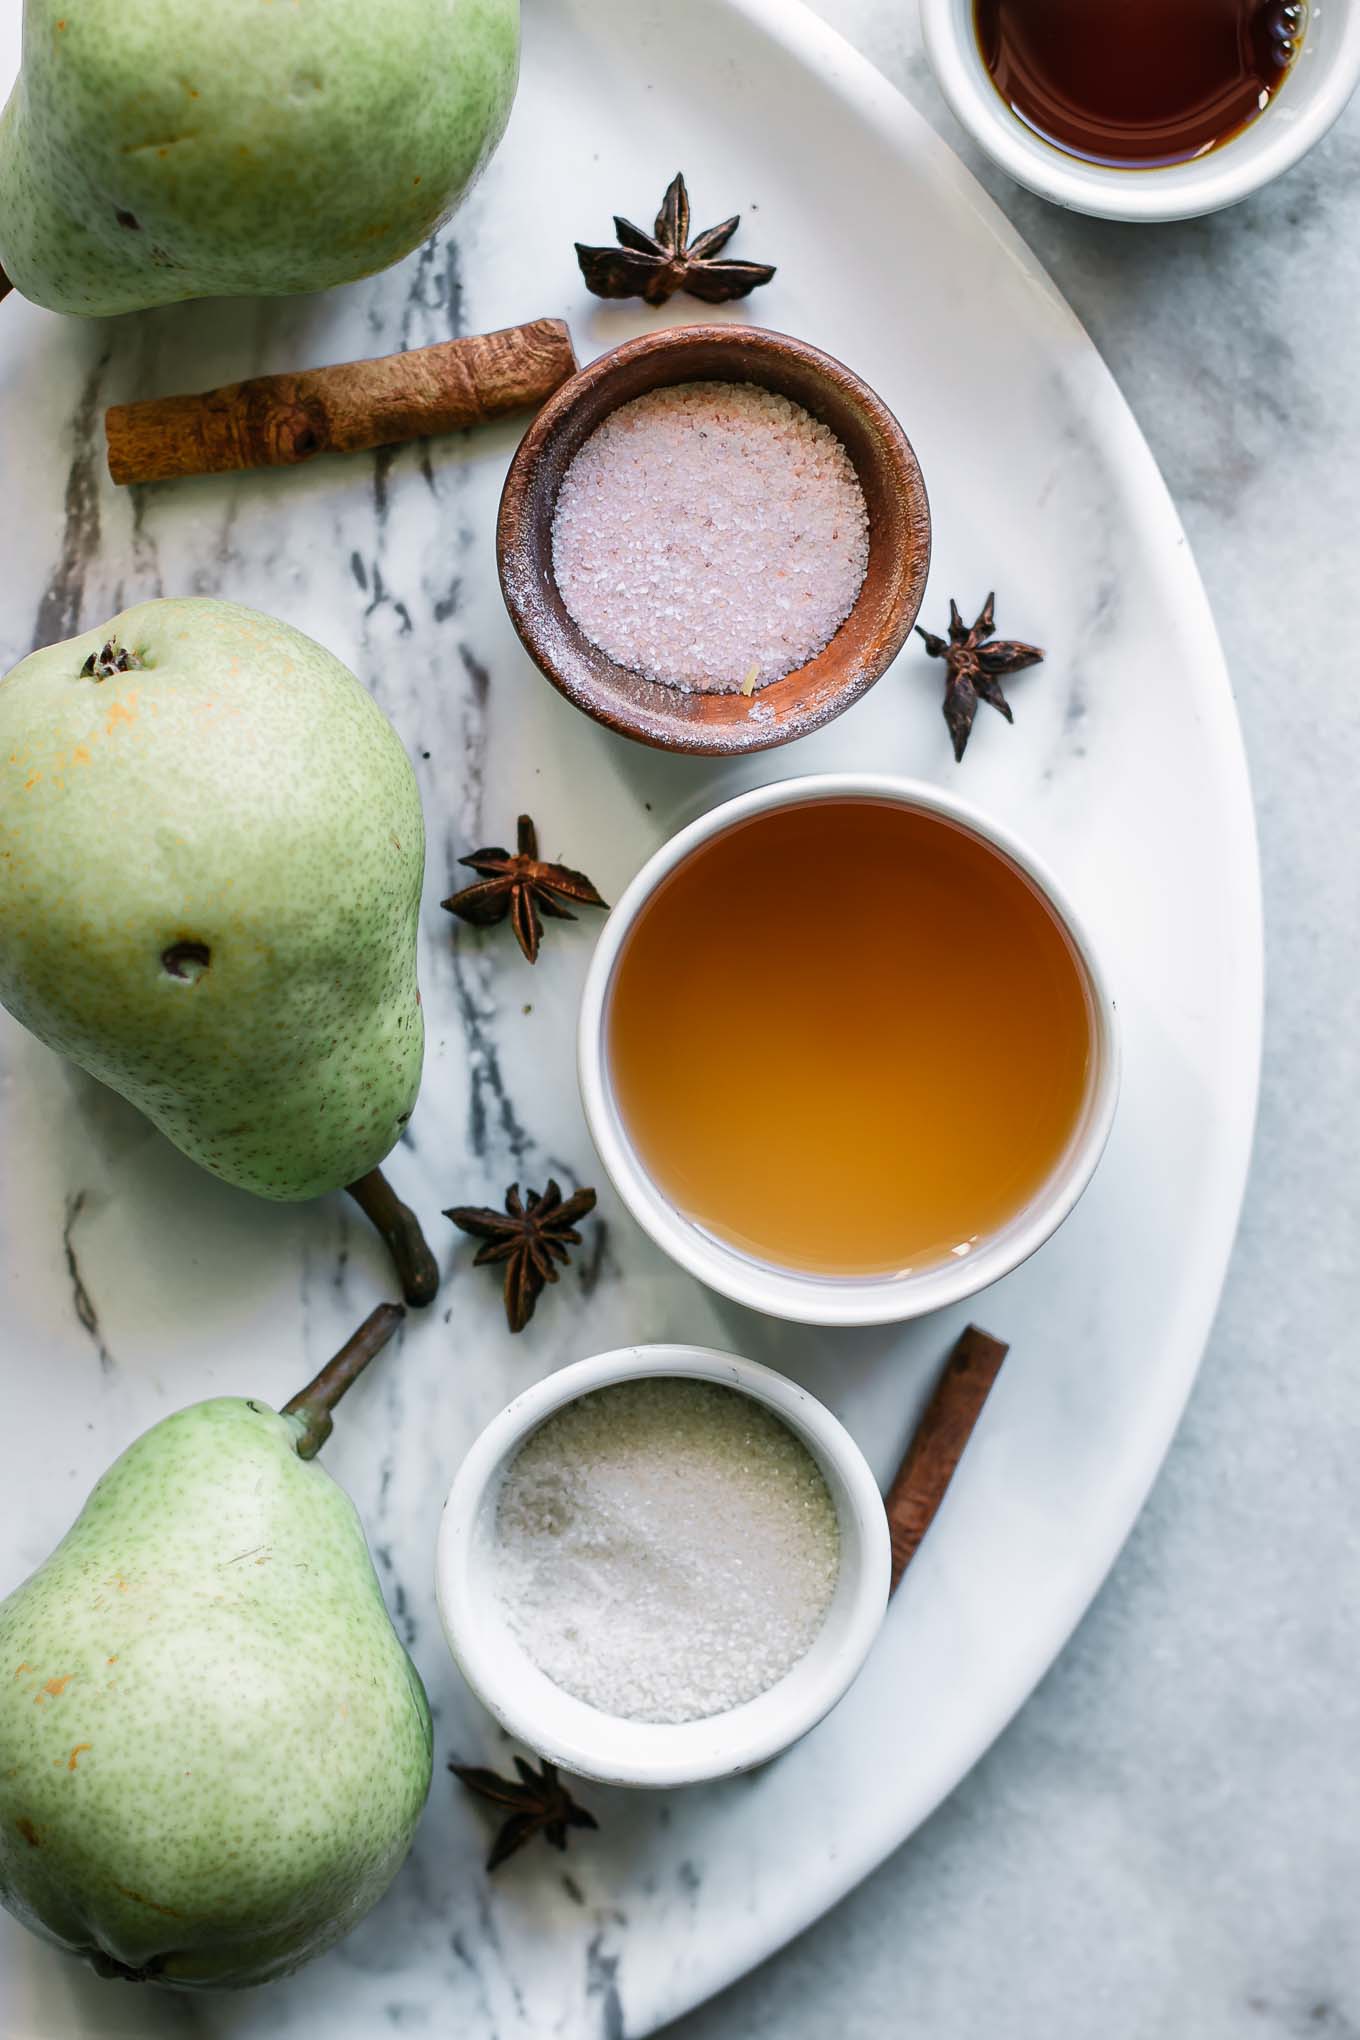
(1161, 1843)
(1167, 1840)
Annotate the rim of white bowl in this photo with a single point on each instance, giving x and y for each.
(1317, 87)
(604, 1747)
(841, 1300)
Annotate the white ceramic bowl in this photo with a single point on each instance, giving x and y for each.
(819, 1299)
(579, 1737)
(1320, 81)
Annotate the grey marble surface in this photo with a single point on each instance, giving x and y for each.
(1166, 1854)
(1167, 1840)
(134, 1282)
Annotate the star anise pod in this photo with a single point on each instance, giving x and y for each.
(654, 266)
(531, 1236)
(519, 885)
(539, 1805)
(974, 668)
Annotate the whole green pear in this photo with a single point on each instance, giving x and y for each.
(213, 1748)
(211, 850)
(154, 150)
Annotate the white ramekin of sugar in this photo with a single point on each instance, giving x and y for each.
(662, 1565)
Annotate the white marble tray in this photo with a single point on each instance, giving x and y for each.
(133, 1284)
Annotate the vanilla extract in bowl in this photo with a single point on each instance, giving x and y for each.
(1138, 84)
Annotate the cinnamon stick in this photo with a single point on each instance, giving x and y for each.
(938, 1445)
(279, 420)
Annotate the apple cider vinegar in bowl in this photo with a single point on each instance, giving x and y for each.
(844, 1051)
(874, 1048)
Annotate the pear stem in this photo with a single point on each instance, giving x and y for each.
(417, 1269)
(315, 1402)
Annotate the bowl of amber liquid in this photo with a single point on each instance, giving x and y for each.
(846, 1050)
(1144, 109)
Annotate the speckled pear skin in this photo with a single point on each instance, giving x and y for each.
(213, 1748)
(242, 791)
(154, 150)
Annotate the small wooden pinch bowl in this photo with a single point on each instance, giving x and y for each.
(866, 643)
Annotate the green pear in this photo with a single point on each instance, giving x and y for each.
(213, 1748)
(211, 851)
(154, 150)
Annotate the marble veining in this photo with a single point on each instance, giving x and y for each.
(133, 1283)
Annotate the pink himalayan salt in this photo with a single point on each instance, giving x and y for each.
(710, 535)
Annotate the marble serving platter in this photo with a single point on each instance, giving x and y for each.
(133, 1284)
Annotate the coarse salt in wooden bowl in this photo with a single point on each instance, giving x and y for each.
(865, 645)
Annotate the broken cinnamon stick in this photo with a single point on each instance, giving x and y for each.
(279, 420)
(938, 1445)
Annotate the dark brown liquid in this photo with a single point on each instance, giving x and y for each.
(1138, 82)
(849, 1038)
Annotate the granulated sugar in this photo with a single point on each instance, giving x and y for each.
(710, 535)
(665, 1549)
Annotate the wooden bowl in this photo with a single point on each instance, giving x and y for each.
(866, 643)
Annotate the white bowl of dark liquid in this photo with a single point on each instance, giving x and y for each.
(1144, 109)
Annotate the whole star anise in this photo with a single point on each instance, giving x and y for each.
(539, 1805)
(974, 668)
(654, 266)
(519, 885)
(531, 1236)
